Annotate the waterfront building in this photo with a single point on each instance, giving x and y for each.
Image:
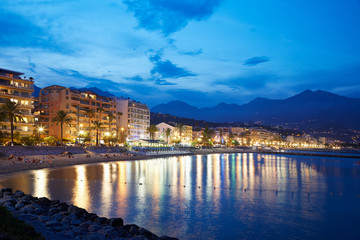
(161, 133)
(186, 134)
(262, 135)
(135, 118)
(78, 103)
(16, 88)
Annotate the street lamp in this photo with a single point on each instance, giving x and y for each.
(40, 129)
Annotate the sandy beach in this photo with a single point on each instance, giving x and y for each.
(31, 162)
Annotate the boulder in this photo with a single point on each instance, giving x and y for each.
(116, 222)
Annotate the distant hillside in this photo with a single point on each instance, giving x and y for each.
(156, 118)
(309, 109)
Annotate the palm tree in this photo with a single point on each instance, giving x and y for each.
(97, 126)
(100, 110)
(180, 128)
(90, 114)
(111, 117)
(10, 111)
(167, 134)
(152, 130)
(61, 117)
(118, 114)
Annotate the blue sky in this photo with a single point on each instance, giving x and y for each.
(202, 52)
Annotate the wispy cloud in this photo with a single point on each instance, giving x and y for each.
(167, 69)
(170, 16)
(256, 60)
(193, 53)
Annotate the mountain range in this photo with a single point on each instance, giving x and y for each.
(306, 110)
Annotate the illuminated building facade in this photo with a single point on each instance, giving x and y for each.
(78, 103)
(17, 89)
(135, 118)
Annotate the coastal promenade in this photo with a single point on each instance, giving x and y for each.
(30, 158)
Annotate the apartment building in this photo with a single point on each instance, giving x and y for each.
(263, 135)
(78, 103)
(135, 118)
(186, 134)
(16, 88)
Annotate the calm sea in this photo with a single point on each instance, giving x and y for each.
(216, 196)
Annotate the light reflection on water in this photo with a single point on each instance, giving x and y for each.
(218, 196)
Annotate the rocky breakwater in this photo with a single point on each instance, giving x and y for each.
(57, 220)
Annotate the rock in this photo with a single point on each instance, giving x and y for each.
(43, 218)
(75, 222)
(84, 226)
(54, 202)
(168, 238)
(76, 210)
(40, 210)
(9, 199)
(19, 205)
(100, 220)
(57, 217)
(53, 223)
(94, 227)
(3, 190)
(116, 222)
(43, 201)
(26, 209)
(149, 235)
(19, 193)
(91, 216)
(134, 230)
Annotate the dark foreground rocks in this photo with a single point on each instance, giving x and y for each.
(57, 220)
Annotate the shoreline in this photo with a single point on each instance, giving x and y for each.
(13, 166)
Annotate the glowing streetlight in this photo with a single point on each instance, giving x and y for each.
(107, 134)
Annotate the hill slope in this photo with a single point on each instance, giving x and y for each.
(308, 109)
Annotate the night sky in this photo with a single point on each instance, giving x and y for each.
(200, 51)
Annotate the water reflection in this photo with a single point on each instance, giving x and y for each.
(215, 196)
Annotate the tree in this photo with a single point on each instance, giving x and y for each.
(97, 125)
(10, 111)
(62, 118)
(90, 114)
(180, 127)
(50, 140)
(118, 118)
(111, 117)
(231, 139)
(100, 110)
(152, 130)
(167, 134)
(207, 135)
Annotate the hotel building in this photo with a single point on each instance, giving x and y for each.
(186, 135)
(17, 89)
(135, 118)
(55, 98)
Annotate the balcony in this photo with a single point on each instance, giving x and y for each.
(17, 85)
